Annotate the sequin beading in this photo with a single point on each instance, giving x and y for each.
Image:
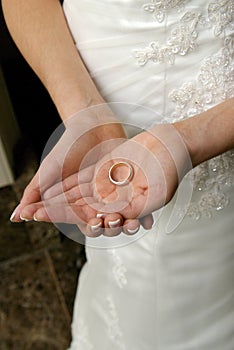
(214, 85)
(182, 39)
(159, 8)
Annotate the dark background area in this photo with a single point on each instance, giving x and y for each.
(39, 267)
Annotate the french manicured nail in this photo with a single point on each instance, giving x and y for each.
(100, 215)
(113, 224)
(12, 216)
(24, 219)
(96, 228)
(133, 231)
(35, 218)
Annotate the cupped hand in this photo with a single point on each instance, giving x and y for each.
(82, 132)
(159, 159)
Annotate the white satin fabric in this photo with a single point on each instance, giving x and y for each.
(168, 289)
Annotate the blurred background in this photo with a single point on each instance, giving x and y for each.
(39, 267)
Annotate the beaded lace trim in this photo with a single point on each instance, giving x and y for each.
(182, 39)
(214, 85)
(212, 178)
(160, 8)
(220, 15)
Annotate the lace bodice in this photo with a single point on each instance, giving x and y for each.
(213, 84)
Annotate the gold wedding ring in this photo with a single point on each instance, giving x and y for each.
(124, 181)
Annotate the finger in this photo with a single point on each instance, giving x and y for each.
(147, 221)
(113, 224)
(81, 177)
(72, 195)
(131, 226)
(70, 214)
(31, 194)
(46, 176)
(85, 175)
(61, 187)
(95, 227)
(113, 220)
(101, 215)
(27, 213)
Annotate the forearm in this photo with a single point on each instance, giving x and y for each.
(210, 133)
(40, 31)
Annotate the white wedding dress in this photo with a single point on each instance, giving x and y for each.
(171, 288)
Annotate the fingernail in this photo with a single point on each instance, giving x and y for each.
(132, 232)
(100, 215)
(12, 216)
(24, 219)
(35, 218)
(113, 224)
(96, 228)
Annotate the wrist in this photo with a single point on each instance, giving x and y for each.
(210, 133)
(168, 137)
(70, 99)
(186, 130)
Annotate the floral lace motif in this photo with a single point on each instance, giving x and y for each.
(181, 41)
(160, 8)
(211, 178)
(220, 15)
(214, 85)
(119, 270)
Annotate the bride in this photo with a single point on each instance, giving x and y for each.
(144, 167)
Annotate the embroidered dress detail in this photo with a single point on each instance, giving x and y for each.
(160, 8)
(211, 178)
(221, 15)
(215, 84)
(181, 41)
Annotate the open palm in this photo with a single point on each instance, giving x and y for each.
(88, 197)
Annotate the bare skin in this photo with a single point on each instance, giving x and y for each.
(160, 158)
(49, 48)
(47, 44)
